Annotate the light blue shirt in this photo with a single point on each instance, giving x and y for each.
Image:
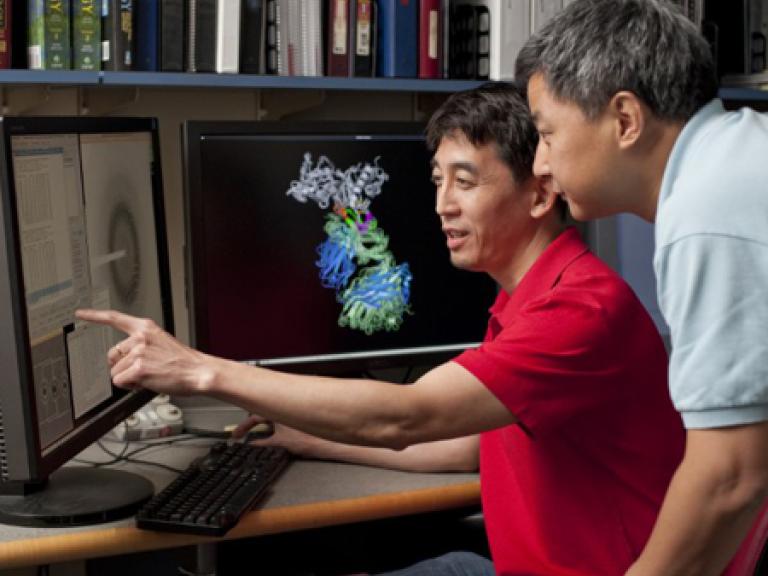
(711, 265)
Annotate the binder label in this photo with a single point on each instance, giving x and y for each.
(363, 43)
(340, 28)
(433, 34)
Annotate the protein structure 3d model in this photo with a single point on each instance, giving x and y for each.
(354, 259)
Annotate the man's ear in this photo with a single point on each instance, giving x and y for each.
(543, 197)
(628, 115)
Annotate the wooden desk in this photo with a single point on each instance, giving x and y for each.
(308, 495)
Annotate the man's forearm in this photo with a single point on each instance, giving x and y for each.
(447, 402)
(710, 505)
(454, 455)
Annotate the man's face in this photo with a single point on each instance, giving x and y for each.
(573, 150)
(482, 210)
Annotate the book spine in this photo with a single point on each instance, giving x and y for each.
(205, 36)
(429, 38)
(86, 35)
(316, 37)
(56, 35)
(172, 35)
(283, 37)
(398, 38)
(338, 38)
(445, 40)
(147, 35)
(386, 38)
(228, 15)
(252, 40)
(191, 36)
(272, 59)
(363, 38)
(109, 27)
(464, 32)
(295, 40)
(125, 51)
(5, 33)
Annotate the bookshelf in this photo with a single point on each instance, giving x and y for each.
(745, 95)
(254, 81)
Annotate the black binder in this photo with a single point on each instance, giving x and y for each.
(363, 37)
(172, 26)
(117, 35)
(252, 37)
(201, 36)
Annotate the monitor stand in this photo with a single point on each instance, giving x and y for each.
(75, 495)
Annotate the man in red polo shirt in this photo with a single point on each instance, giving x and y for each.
(578, 437)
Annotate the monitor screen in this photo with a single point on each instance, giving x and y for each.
(82, 227)
(317, 248)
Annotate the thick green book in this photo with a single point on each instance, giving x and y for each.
(49, 38)
(86, 34)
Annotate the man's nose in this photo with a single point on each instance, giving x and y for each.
(444, 203)
(541, 161)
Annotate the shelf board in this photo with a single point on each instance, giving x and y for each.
(50, 77)
(200, 80)
(743, 94)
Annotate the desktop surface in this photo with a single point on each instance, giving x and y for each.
(309, 494)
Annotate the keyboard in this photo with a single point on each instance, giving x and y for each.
(215, 490)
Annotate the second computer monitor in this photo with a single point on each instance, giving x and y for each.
(316, 247)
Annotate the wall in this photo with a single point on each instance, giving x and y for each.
(175, 105)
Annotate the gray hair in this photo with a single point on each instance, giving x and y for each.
(595, 48)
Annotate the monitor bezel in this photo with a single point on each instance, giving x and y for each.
(195, 286)
(39, 463)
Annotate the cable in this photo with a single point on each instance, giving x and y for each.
(124, 455)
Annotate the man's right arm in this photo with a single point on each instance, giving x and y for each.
(711, 503)
(453, 455)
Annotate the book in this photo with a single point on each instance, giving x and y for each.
(430, 22)
(201, 36)
(445, 44)
(469, 42)
(5, 33)
(19, 39)
(253, 43)
(228, 36)
(397, 29)
(271, 59)
(147, 35)
(86, 34)
(509, 23)
(117, 35)
(363, 38)
(288, 37)
(339, 37)
(311, 15)
(49, 36)
(172, 14)
(758, 33)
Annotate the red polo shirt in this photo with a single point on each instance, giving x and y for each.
(576, 486)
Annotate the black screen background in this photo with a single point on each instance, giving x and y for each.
(263, 296)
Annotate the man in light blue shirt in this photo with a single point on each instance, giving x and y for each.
(623, 93)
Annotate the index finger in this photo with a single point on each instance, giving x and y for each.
(113, 318)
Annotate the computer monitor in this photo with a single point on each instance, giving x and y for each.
(82, 226)
(316, 248)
